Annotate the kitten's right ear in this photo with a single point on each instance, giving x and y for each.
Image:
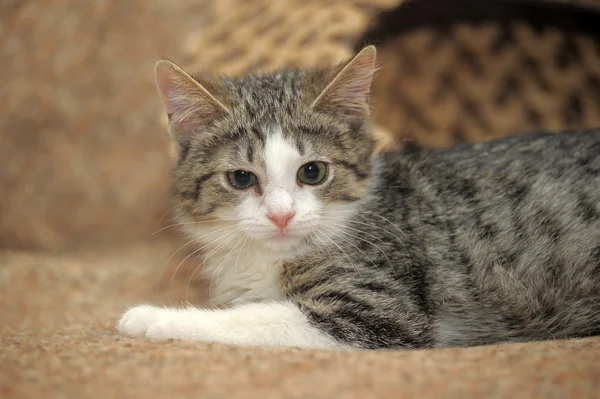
(188, 104)
(348, 93)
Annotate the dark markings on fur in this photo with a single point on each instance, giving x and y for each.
(373, 286)
(547, 223)
(198, 184)
(513, 322)
(347, 198)
(420, 288)
(377, 328)
(508, 259)
(211, 208)
(306, 287)
(237, 135)
(344, 298)
(487, 231)
(326, 189)
(518, 193)
(250, 153)
(363, 330)
(258, 135)
(587, 210)
(595, 255)
(360, 175)
(357, 128)
(188, 194)
(184, 150)
(465, 188)
(313, 134)
(326, 323)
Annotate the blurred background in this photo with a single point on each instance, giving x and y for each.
(84, 154)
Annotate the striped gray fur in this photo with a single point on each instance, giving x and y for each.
(475, 244)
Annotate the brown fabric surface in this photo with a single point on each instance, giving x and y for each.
(442, 78)
(471, 81)
(57, 339)
(83, 158)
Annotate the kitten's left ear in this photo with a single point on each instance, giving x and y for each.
(348, 93)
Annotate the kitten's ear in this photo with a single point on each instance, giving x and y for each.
(348, 93)
(189, 105)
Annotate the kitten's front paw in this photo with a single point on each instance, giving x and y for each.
(136, 321)
(165, 330)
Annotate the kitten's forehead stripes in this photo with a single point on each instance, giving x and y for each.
(258, 135)
(250, 152)
(311, 134)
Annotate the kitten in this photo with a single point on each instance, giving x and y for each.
(315, 242)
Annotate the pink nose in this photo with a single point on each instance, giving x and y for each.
(281, 220)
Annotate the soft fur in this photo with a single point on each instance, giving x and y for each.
(476, 244)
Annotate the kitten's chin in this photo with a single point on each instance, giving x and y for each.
(284, 245)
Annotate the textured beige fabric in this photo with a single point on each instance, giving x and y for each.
(57, 340)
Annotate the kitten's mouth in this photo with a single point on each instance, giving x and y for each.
(286, 234)
(282, 233)
(283, 236)
(284, 240)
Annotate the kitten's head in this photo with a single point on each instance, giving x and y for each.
(276, 160)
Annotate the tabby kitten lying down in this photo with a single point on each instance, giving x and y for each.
(315, 242)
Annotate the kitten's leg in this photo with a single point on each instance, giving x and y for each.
(254, 324)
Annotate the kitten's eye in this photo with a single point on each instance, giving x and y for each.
(313, 173)
(241, 179)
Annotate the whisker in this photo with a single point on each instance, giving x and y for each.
(216, 272)
(351, 244)
(355, 229)
(362, 239)
(375, 227)
(323, 244)
(200, 222)
(387, 220)
(195, 252)
(345, 253)
(169, 211)
(234, 234)
(183, 246)
(238, 259)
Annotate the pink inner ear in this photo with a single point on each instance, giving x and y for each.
(188, 104)
(171, 88)
(349, 91)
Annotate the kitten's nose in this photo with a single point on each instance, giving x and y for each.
(280, 219)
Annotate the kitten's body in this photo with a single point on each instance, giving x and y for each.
(500, 241)
(476, 244)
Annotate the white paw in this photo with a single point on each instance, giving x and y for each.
(136, 321)
(165, 330)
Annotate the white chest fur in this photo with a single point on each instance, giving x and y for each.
(249, 275)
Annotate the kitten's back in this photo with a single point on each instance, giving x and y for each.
(506, 234)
